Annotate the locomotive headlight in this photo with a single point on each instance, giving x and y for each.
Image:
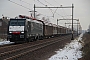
(22, 32)
(10, 32)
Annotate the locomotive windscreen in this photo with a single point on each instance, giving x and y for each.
(17, 22)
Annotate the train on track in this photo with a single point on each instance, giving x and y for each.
(25, 29)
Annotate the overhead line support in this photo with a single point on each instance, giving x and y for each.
(63, 7)
(53, 7)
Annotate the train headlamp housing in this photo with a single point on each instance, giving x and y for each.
(10, 32)
(22, 32)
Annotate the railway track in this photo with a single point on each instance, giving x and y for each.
(16, 53)
(17, 46)
(1, 46)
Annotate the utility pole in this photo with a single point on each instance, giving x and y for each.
(34, 10)
(77, 26)
(72, 22)
(57, 25)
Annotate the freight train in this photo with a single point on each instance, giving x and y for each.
(25, 29)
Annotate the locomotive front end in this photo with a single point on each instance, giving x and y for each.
(16, 30)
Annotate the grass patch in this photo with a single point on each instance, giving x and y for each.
(86, 48)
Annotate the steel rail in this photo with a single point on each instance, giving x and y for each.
(13, 51)
(26, 52)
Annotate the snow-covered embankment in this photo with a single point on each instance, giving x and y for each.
(70, 52)
(4, 42)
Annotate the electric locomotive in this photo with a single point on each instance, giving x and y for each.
(24, 30)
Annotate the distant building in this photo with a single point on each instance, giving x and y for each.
(3, 27)
(88, 29)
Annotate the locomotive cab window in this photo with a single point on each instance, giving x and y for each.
(17, 22)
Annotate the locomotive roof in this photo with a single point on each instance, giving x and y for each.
(27, 20)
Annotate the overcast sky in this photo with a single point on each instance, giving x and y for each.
(81, 10)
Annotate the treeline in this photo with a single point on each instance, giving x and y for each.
(89, 29)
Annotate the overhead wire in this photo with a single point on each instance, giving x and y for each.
(63, 10)
(49, 8)
(48, 2)
(45, 5)
(20, 5)
(41, 3)
(25, 2)
(24, 6)
(56, 1)
(54, 11)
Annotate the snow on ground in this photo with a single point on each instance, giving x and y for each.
(70, 52)
(3, 42)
